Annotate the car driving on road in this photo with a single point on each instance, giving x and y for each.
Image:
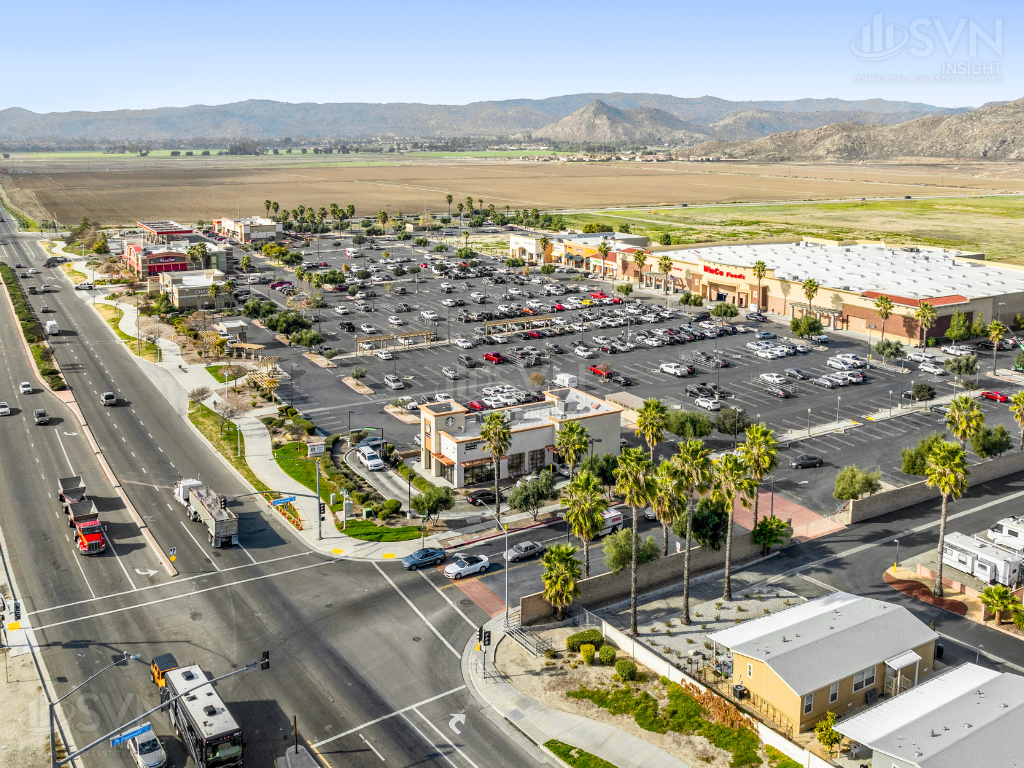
(466, 565)
(423, 558)
(524, 550)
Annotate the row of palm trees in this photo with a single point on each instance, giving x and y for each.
(311, 215)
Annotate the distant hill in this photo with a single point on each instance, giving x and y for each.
(260, 119)
(994, 132)
(599, 123)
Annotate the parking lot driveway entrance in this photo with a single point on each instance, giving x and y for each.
(806, 524)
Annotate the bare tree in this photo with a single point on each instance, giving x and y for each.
(199, 394)
(233, 373)
(226, 411)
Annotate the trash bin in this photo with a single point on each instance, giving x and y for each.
(739, 691)
(939, 650)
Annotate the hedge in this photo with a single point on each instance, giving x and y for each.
(626, 669)
(587, 653)
(587, 636)
(607, 655)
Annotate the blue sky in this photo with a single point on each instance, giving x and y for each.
(112, 55)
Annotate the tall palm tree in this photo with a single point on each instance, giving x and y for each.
(759, 270)
(496, 435)
(665, 267)
(214, 292)
(1017, 411)
(964, 419)
(946, 469)
(335, 213)
(469, 205)
(302, 211)
(760, 454)
(926, 317)
(996, 332)
(636, 487)
(300, 274)
(317, 281)
(603, 249)
(667, 500)
(696, 472)
(651, 421)
(276, 207)
(884, 307)
(383, 217)
(245, 262)
(640, 259)
(809, 288)
(572, 441)
(350, 210)
(585, 505)
(732, 483)
(197, 254)
(448, 199)
(544, 243)
(561, 576)
(267, 204)
(460, 207)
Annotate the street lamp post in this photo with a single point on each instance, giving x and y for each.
(808, 422)
(870, 328)
(838, 399)
(890, 402)
(736, 427)
(897, 563)
(53, 705)
(977, 658)
(505, 528)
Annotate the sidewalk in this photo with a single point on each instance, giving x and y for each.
(540, 723)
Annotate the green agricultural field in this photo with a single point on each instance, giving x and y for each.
(993, 225)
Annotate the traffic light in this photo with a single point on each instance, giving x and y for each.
(487, 638)
(265, 660)
(479, 634)
(17, 611)
(323, 509)
(223, 502)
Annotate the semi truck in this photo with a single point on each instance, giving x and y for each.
(82, 515)
(205, 506)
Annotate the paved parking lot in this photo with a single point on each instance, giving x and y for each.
(320, 394)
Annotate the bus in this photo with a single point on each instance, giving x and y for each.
(208, 730)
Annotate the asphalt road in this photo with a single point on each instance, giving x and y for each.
(350, 642)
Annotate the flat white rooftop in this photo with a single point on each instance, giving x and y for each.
(921, 273)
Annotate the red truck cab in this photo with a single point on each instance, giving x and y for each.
(89, 536)
(82, 516)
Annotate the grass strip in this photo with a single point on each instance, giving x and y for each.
(575, 756)
(32, 331)
(113, 317)
(778, 760)
(367, 530)
(208, 423)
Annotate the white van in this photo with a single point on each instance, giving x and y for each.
(566, 380)
(351, 252)
(52, 329)
(612, 522)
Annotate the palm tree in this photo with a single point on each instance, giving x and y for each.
(635, 486)
(996, 332)
(448, 199)
(469, 204)
(383, 217)
(544, 243)
(301, 212)
(667, 498)
(561, 576)
(196, 254)
(603, 249)
(650, 422)
(1017, 411)
(760, 454)
(809, 288)
(460, 207)
(300, 274)
(350, 210)
(1000, 601)
(732, 482)
(759, 270)
(267, 204)
(946, 469)
(884, 307)
(926, 317)
(497, 437)
(585, 505)
(964, 419)
(572, 441)
(245, 262)
(695, 469)
(214, 292)
(335, 213)
(665, 267)
(640, 259)
(316, 281)
(276, 207)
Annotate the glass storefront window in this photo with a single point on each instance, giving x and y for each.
(481, 473)
(536, 460)
(516, 464)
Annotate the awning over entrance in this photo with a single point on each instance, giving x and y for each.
(443, 459)
(903, 660)
(477, 462)
(817, 310)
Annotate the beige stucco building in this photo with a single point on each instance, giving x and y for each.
(191, 290)
(453, 452)
(249, 229)
(838, 652)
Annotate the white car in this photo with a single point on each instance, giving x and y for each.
(584, 352)
(443, 397)
(602, 340)
(466, 565)
(507, 398)
(409, 403)
(449, 303)
(25, 388)
(385, 354)
(341, 310)
(497, 390)
(494, 401)
(463, 343)
(367, 328)
(842, 365)
(772, 378)
(5, 409)
(428, 315)
(842, 381)
(675, 369)
(853, 360)
(933, 368)
(708, 404)
(652, 341)
(369, 459)
(919, 356)
(145, 749)
(766, 354)
(756, 346)
(395, 320)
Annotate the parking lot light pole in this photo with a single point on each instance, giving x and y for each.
(350, 428)
(890, 402)
(897, 563)
(736, 426)
(808, 422)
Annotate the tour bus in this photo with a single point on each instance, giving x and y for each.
(208, 730)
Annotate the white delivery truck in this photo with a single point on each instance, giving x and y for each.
(566, 380)
(52, 329)
(351, 252)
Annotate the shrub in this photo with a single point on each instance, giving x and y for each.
(383, 514)
(588, 636)
(550, 653)
(607, 655)
(392, 506)
(626, 669)
(587, 653)
(358, 497)
(358, 373)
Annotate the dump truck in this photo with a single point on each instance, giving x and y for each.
(205, 506)
(82, 515)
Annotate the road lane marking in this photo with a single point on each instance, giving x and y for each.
(447, 599)
(247, 553)
(111, 544)
(432, 744)
(418, 612)
(378, 754)
(445, 737)
(381, 719)
(80, 568)
(198, 545)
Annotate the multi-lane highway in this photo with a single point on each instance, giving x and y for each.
(351, 643)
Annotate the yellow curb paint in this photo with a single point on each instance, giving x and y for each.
(13, 625)
(337, 551)
(388, 555)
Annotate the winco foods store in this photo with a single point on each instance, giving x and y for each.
(851, 277)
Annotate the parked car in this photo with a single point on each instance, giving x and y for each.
(708, 404)
(999, 397)
(932, 368)
(524, 550)
(393, 382)
(385, 354)
(466, 565)
(772, 378)
(821, 381)
(449, 373)
(367, 329)
(805, 460)
(765, 335)
(422, 558)
(919, 356)
(779, 392)
(673, 369)
(796, 373)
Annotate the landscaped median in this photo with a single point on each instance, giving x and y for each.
(575, 757)
(113, 317)
(32, 331)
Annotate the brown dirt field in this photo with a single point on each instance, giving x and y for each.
(123, 197)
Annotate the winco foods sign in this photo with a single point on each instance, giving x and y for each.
(720, 273)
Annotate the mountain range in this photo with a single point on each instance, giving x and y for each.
(638, 117)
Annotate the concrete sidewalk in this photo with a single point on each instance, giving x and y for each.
(540, 723)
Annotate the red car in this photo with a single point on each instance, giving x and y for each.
(494, 357)
(616, 299)
(559, 307)
(534, 334)
(598, 370)
(599, 295)
(529, 311)
(999, 397)
(477, 405)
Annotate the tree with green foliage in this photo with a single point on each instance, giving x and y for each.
(625, 289)
(989, 443)
(914, 461)
(636, 487)
(561, 577)
(923, 391)
(513, 262)
(809, 288)
(999, 602)
(496, 436)
(769, 532)
(710, 519)
(688, 424)
(760, 454)
(964, 419)
(306, 338)
(947, 470)
(640, 259)
(1017, 411)
(959, 329)
(650, 422)
(759, 270)
(731, 421)
(806, 326)
(694, 473)
(101, 246)
(996, 333)
(432, 502)
(732, 484)
(1017, 324)
(665, 239)
(926, 317)
(884, 307)
(888, 349)
(961, 366)
(978, 327)
(603, 468)
(287, 322)
(547, 269)
(572, 441)
(196, 254)
(725, 311)
(585, 505)
(852, 482)
(668, 501)
(618, 550)
(531, 495)
(825, 732)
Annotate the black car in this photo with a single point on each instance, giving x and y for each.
(483, 496)
(796, 373)
(347, 326)
(806, 460)
(622, 381)
(554, 348)
(778, 392)
(719, 392)
(466, 361)
(699, 390)
(422, 558)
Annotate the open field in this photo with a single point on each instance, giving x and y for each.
(993, 225)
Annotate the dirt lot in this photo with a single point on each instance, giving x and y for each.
(125, 195)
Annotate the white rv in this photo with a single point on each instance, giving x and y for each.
(983, 560)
